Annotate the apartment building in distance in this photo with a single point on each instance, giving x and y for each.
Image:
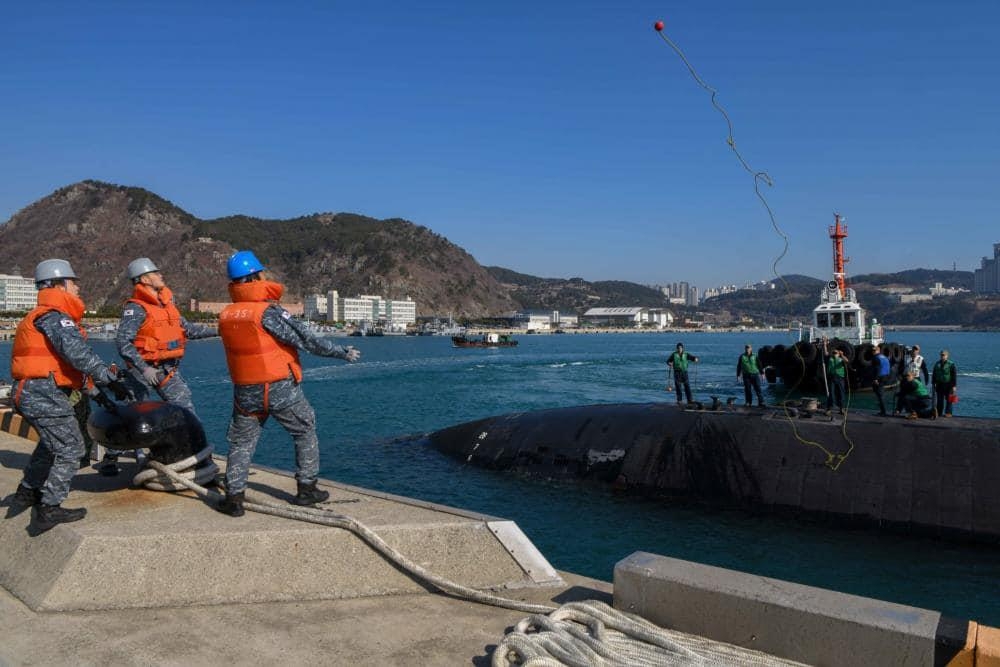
(987, 277)
(17, 293)
(358, 309)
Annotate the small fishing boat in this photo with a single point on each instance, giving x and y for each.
(486, 340)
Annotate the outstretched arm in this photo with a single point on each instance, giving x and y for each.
(195, 331)
(279, 323)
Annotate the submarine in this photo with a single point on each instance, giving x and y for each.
(938, 477)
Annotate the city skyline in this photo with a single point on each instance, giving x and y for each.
(556, 140)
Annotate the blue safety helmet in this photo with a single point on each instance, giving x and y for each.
(242, 264)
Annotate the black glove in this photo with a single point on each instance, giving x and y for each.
(99, 397)
(121, 391)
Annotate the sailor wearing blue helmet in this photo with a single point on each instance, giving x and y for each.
(262, 343)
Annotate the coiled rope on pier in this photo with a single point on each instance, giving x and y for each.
(611, 637)
(592, 633)
(198, 468)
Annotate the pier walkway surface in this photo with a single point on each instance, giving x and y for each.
(155, 578)
(160, 578)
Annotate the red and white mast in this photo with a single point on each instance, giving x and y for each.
(838, 232)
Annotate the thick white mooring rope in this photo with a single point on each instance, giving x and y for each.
(585, 634)
(186, 469)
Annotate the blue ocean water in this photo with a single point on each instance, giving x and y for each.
(371, 416)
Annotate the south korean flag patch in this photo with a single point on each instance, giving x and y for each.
(285, 314)
(67, 323)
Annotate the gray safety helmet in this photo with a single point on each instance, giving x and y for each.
(139, 267)
(53, 269)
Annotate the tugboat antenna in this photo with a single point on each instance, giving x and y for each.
(838, 233)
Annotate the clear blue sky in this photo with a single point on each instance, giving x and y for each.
(553, 138)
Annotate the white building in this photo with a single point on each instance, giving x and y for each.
(399, 313)
(940, 290)
(17, 293)
(628, 317)
(370, 308)
(334, 313)
(358, 309)
(314, 307)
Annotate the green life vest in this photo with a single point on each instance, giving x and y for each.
(836, 366)
(680, 361)
(919, 389)
(749, 363)
(944, 372)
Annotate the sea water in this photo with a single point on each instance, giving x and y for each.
(372, 416)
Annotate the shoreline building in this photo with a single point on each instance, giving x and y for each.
(17, 293)
(547, 320)
(364, 308)
(628, 317)
(987, 277)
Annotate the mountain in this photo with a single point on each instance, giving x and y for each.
(784, 304)
(100, 227)
(575, 294)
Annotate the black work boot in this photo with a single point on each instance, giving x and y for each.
(26, 497)
(109, 466)
(232, 504)
(48, 516)
(309, 495)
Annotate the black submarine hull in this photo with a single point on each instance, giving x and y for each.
(940, 477)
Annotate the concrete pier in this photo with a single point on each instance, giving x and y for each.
(177, 545)
(160, 578)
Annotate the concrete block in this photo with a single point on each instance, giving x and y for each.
(15, 424)
(162, 549)
(788, 620)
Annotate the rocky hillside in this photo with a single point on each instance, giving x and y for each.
(100, 227)
(576, 294)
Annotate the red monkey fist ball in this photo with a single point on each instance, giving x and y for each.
(659, 26)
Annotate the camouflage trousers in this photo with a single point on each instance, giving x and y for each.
(175, 391)
(56, 457)
(298, 419)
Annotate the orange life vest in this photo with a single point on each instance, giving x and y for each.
(161, 335)
(33, 355)
(254, 356)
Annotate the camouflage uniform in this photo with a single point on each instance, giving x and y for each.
(285, 402)
(175, 390)
(48, 408)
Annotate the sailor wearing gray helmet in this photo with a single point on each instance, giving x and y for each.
(52, 363)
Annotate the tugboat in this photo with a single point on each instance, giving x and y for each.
(487, 340)
(839, 319)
